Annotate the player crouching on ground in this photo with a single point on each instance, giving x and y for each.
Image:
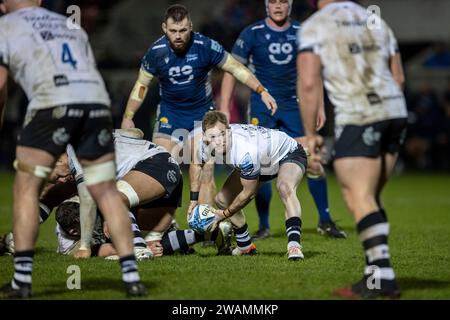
(151, 182)
(257, 155)
(148, 178)
(68, 231)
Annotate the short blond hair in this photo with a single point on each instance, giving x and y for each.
(211, 118)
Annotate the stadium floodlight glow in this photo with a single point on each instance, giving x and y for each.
(267, 6)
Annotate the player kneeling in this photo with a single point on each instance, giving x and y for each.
(257, 155)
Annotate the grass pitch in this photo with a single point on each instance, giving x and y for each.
(418, 207)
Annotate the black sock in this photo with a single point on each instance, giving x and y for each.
(373, 232)
(294, 231)
(243, 238)
(23, 268)
(129, 269)
(179, 240)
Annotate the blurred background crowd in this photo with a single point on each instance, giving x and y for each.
(122, 30)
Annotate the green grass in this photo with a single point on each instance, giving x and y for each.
(419, 210)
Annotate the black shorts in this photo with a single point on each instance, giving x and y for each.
(298, 156)
(372, 140)
(87, 127)
(164, 169)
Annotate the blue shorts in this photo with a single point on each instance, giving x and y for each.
(287, 119)
(178, 122)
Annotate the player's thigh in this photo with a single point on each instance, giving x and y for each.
(358, 176)
(155, 177)
(289, 175)
(44, 136)
(166, 142)
(156, 219)
(41, 141)
(292, 169)
(146, 187)
(392, 141)
(93, 141)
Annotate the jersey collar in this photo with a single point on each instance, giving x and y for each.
(277, 30)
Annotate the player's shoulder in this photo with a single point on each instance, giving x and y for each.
(159, 45)
(206, 43)
(202, 40)
(254, 28)
(295, 24)
(158, 49)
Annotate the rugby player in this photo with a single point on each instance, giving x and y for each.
(257, 155)
(269, 46)
(55, 66)
(361, 67)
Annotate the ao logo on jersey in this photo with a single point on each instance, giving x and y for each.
(276, 49)
(177, 72)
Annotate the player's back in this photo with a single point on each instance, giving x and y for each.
(259, 148)
(53, 64)
(130, 151)
(356, 63)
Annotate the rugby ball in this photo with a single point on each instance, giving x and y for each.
(201, 218)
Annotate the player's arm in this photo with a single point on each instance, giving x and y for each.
(310, 89)
(88, 215)
(136, 98)
(228, 85)
(321, 114)
(88, 208)
(395, 61)
(397, 69)
(195, 171)
(244, 75)
(3, 92)
(249, 189)
(195, 174)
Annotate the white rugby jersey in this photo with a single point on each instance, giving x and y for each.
(355, 62)
(66, 244)
(129, 152)
(255, 151)
(53, 64)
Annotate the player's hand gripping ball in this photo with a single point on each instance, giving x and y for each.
(201, 218)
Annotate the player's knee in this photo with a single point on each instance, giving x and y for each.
(285, 189)
(221, 201)
(36, 171)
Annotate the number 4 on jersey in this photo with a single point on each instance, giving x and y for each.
(67, 57)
